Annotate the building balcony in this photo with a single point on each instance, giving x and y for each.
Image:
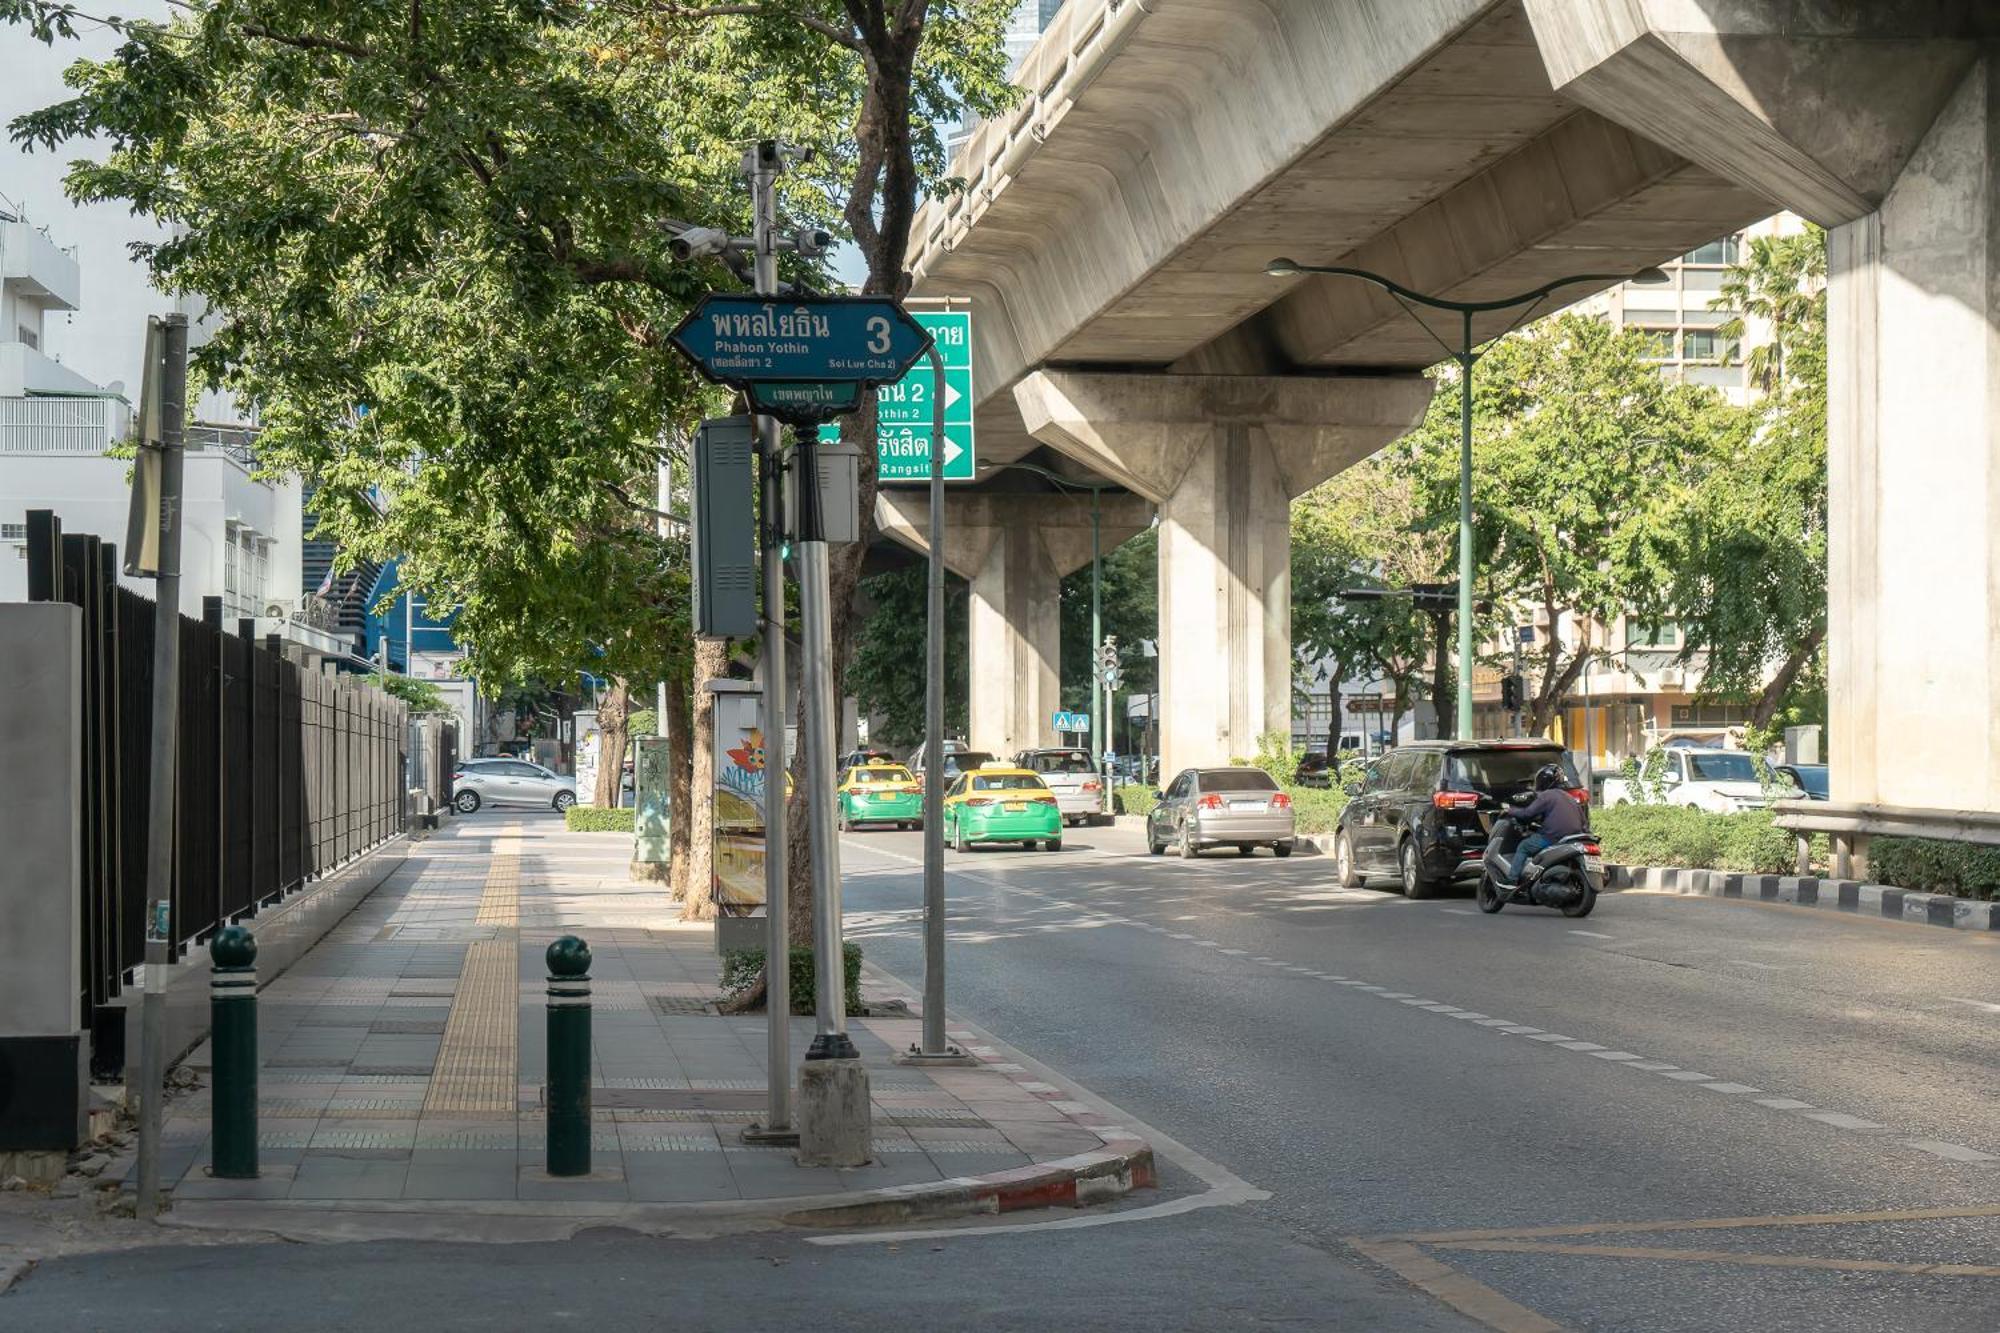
(62, 425)
(36, 268)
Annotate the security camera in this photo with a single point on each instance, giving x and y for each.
(811, 242)
(698, 242)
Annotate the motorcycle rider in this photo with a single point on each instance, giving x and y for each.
(1558, 813)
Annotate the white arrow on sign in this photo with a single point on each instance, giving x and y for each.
(951, 449)
(951, 396)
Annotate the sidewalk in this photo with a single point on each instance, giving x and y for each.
(402, 1065)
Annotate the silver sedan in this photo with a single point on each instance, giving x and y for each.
(1217, 807)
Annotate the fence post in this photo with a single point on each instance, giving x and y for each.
(232, 1008)
(569, 1057)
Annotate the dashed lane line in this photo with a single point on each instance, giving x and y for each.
(1556, 1040)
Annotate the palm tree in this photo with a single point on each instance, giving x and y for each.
(1781, 280)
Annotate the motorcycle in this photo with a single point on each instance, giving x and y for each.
(1567, 876)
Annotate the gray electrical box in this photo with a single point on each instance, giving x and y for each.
(839, 491)
(724, 529)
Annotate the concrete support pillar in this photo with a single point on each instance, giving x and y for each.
(1014, 549)
(1222, 456)
(1882, 123)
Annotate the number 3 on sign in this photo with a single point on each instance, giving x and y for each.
(878, 335)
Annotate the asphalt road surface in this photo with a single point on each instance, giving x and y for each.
(1677, 1114)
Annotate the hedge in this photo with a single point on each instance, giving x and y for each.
(599, 819)
(1662, 835)
(1314, 808)
(741, 968)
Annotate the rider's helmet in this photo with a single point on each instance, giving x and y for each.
(1547, 776)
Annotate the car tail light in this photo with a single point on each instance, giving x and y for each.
(1092, 786)
(458, 777)
(1591, 849)
(979, 800)
(1581, 794)
(1210, 802)
(1043, 800)
(1455, 800)
(1280, 801)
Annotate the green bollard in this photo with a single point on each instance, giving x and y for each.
(232, 1009)
(569, 1057)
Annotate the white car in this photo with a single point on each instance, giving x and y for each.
(1068, 773)
(478, 782)
(1718, 781)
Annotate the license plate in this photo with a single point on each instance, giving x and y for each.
(885, 796)
(1594, 864)
(1247, 805)
(1014, 807)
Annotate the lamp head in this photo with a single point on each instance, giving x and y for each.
(1283, 268)
(1650, 276)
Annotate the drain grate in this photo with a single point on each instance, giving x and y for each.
(680, 1004)
(670, 1143)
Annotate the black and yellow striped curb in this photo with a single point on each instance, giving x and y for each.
(1840, 895)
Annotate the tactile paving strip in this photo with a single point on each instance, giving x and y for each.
(478, 1061)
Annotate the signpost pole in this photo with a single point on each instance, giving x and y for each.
(172, 374)
(933, 1026)
(1100, 693)
(777, 925)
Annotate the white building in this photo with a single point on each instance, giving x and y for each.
(240, 535)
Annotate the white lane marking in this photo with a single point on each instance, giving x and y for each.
(1732, 1089)
(1784, 1103)
(1591, 934)
(1956, 1152)
(1613, 1055)
(1688, 1076)
(1459, 911)
(1551, 1036)
(1762, 967)
(1652, 1066)
(1470, 1015)
(1519, 1029)
(1395, 995)
(1236, 953)
(1976, 1004)
(1842, 1120)
(1498, 1023)
(1579, 1045)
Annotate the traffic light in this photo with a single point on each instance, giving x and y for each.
(1510, 693)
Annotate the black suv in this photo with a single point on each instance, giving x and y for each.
(1422, 811)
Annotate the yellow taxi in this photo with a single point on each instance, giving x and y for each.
(879, 793)
(1001, 803)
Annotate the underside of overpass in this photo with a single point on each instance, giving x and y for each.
(1114, 229)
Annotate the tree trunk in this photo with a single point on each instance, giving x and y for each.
(678, 724)
(711, 659)
(1774, 693)
(1554, 690)
(611, 737)
(1444, 698)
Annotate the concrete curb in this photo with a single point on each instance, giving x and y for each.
(1840, 895)
(1070, 1182)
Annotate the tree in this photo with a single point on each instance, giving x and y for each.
(1584, 460)
(1129, 610)
(1750, 572)
(1368, 527)
(420, 695)
(888, 672)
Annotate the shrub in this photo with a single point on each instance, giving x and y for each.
(1936, 866)
(741, 968)
(599, 819)
(1276, 756)
(1134, 799)
(1317, 809)
(1670, 835)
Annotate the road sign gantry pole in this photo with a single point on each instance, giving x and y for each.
(777, 1124)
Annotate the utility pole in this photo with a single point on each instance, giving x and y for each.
(1100, 694)
(172, 373)
(762, 164)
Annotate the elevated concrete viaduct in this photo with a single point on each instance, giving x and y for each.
(1115, 226)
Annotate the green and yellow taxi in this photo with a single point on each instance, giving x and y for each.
(877, 793)
(1001, 803)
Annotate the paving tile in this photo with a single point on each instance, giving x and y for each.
(327, 1177)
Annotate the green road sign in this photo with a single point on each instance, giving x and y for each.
(905, 410)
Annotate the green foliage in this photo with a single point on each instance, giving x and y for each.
(742, 968)
(887, 673)
(599, 819)
(1646, 781)
(1670, 835)
(1129, 599)
(1936, 866)
(1585, 458)
(421, 695)
(1135, 799)
(1749, 566)
(1276, 757)
(642, 722)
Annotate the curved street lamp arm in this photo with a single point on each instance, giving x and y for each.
(1443, 303)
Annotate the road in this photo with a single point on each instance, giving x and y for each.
(1678, 1114)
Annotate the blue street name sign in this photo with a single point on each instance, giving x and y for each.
(905, 410)
(1069, 721)
(740, 340)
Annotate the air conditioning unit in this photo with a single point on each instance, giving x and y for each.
(277, 611)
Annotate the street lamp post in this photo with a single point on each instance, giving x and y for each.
(1466, 354)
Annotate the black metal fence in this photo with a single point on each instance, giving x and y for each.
(283, 772)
